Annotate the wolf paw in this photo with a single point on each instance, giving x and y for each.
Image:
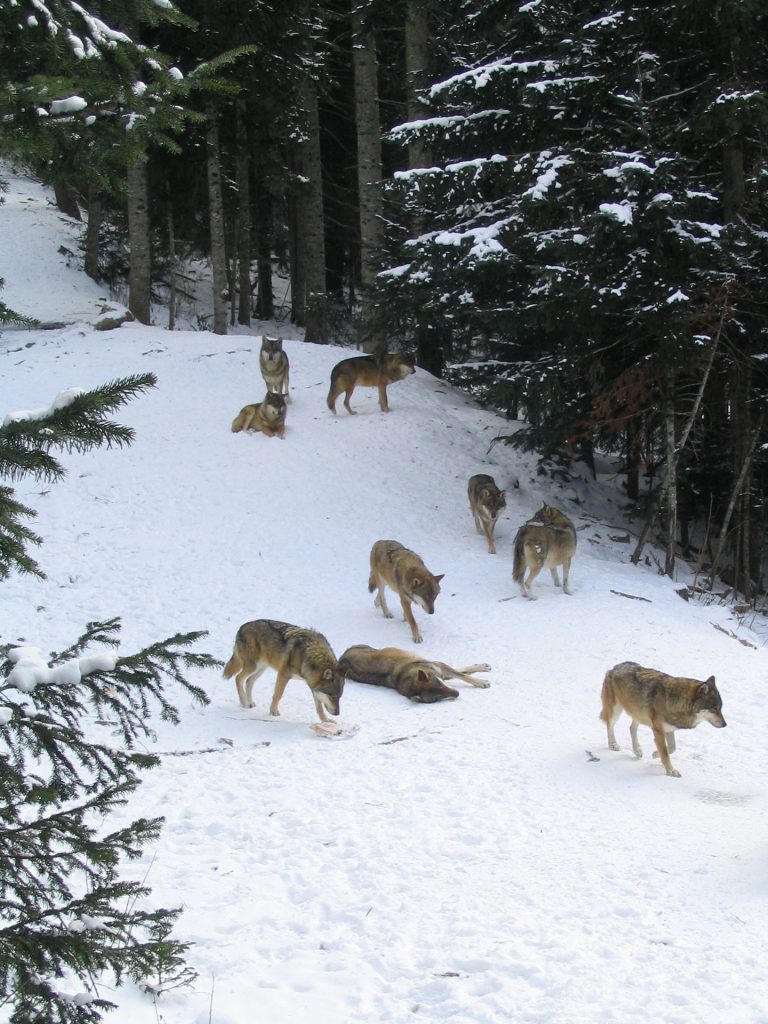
(613, 745)
(674, 774)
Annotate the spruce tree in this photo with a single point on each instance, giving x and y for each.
(69, 922)
(582, 252)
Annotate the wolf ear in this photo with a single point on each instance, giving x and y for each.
(422, 675)
(440, 577)
(328, 674)
(704, 688)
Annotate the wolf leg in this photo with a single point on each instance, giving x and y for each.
(566, 571)
(320, 709)
(380, 600)
(347, 406)
(245, 679)
(408, 613)
(280, 684)
(446, 672)
(661, 747)
(637, 749)
(488, 529)
(610, 716)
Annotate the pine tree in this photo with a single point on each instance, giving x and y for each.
(581, 246)
(69, 922)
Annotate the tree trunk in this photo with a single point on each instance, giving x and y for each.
(265, 300)
(242, 172)
(66, 201)
(216, 221)
(369, 170)
(140, 266)
(633, 460)
(311, 217)
(736, 491)
(93, 232)
(670, 482)
(171, 267)
(417, 42)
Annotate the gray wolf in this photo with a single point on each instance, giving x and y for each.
(547, 540)
(663, 702)
(374, 371)
(274, 365)
(403, 571)
(267, 416)
(290, 651)
(418, 679)
(486, 502)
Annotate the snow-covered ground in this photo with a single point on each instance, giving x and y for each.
(482, 860)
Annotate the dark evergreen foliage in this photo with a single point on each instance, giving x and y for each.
(69, 728)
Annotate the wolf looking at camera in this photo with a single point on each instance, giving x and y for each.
(274, 365)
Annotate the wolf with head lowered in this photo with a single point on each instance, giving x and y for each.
(374, 371)
(418, 679)
(663, 702)
(546, 541)
(402, 570)
(290, 651)
(274, 365)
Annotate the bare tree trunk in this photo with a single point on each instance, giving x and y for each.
(93, 232)
(671, 468)
(311, 214)
(242, 172)
(171, 267)
(670, 481)
(417, 40)
(66, 201)
(216, 220)
(736, 490)
(140, 266)
(265, 299)
(633, 460)
(369, 170)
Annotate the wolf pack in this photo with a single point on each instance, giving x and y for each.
(548, 540)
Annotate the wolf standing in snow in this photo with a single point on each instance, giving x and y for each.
(547, 540)
(663, 702)
(274, 365)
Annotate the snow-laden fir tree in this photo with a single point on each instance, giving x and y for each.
(581, 242)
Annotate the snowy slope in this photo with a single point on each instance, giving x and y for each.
(483, 860)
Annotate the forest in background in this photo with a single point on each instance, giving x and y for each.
(561, 208)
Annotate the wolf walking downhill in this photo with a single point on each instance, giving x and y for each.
(401, 569)
(486, 502)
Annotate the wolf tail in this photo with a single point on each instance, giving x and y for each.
(233, 665)
(371, 583)
(605, 696)
(518, 565)
(334, 390)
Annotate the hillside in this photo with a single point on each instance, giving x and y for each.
(482, 860)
